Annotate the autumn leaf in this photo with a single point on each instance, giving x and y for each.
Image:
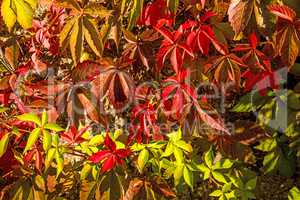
(83, 27)
(287, 34)
(111, 156)
(225, 68)
(18, 10)
(114, 82)
(245, 15)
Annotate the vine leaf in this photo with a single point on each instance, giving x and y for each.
(287, 34)
(20, 11)
(245, 14)
(82, 27)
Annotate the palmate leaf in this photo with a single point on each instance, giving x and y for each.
(114, 82)
(83, 27)
(287, 34)
(18, 10)
(245, 14)
(76, 31)
(225, 68)
(91, 35)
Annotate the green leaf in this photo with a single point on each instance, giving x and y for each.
(271, 162)
(267, 145)
(29, 117)
(178, 174)
(219, 176)
(33, 136)
(185, 146)
(49, 157)
(178, 155)
(250, 102)
(251, 184)
(175, 135)
(209, 158)
(223, 164)
(55, 140)
(96, 140)
(59, 162)
(237, 182)
(3, 144)
(47, 140)
(44, 118)
(226, 187)
(92, 36)
(87, 168)
(142, 159)
(169, 150)
(188, 177)
(216, 193)
(205, 170)
(135, 12)
(294, 194)
(53, 127)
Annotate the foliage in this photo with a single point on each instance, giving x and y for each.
(148, 99)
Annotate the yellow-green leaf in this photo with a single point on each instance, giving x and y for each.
(33, 136)
(3, 144)
(142, 159)
(29, 117)
(59, 162)
(178, 174)
(49, 157)
(53, 127)
(188, 177)
(85, 171)
(47, 140)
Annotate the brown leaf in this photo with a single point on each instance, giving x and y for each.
(91, 110)
(247, 132)
(287, 43)
(241, 12)
(133, 189)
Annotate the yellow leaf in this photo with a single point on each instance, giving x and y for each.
(32, 3)
(64, 34)
(8, 14)
(76, 40)
(92, 36)
(24, 13)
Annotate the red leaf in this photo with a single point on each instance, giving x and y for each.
(166, 33)
(109, 143)
(176, 59)
(108, 164)
(283, 12)
(122, 153)
(99, 156)
(253, 40)
(207, 15)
